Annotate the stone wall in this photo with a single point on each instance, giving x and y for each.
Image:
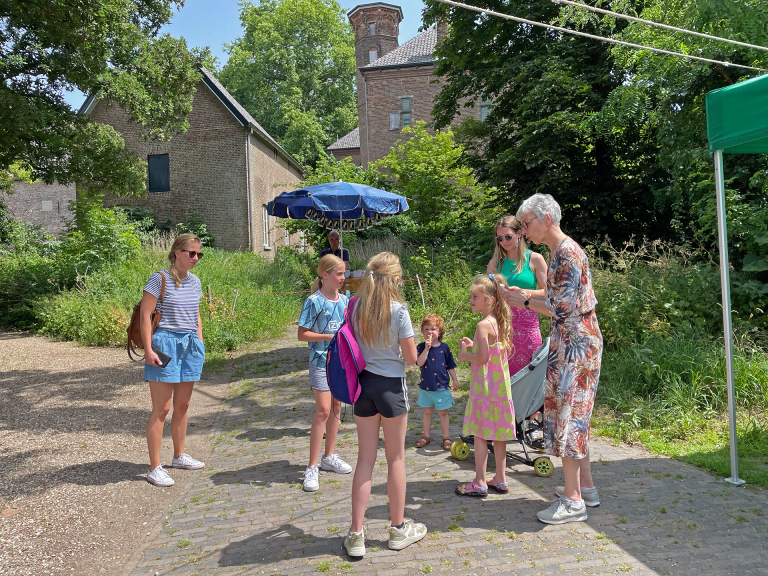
(40, 203)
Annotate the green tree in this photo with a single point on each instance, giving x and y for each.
(540, 136)
(112, 48)
(429, 170)
(294, 71)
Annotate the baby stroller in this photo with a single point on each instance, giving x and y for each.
(528, 399)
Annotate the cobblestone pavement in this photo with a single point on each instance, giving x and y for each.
(246, 512)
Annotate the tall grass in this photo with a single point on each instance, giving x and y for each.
(95, 311)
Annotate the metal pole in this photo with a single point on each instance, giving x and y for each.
(725, 284)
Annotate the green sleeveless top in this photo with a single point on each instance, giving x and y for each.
(526, 279)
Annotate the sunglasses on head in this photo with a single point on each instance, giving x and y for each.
(193, 253)
(506, 237)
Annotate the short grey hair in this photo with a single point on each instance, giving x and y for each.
(334, 233)
(541, 205)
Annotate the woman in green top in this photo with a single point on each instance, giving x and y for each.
(526, 271)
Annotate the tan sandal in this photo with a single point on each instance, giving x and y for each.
(447, 442)
(423, 441)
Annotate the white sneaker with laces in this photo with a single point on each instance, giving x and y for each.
(334, 463)
(159, 477)
(411, 532)
(354, 544)
(563, 510)
(311, 482)
(186, 462)
(589, 495)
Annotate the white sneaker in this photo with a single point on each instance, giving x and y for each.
(589, 495)
(186, 462)
(354, 544)
(411, 532)
(159, 477)
(311, 483)
(563, 510)
(335, 464)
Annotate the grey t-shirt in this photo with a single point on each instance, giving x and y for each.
(388, 361)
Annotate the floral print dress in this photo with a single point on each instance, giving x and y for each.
(490, 414)
(575, 352)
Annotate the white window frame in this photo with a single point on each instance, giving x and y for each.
(265, 226)
(373, 55)
(371, 28)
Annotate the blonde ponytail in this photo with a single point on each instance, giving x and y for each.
(180, 243)
(490, 286)
(327, 263)
(378, 289)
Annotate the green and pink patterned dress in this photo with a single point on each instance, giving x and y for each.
(490, 414)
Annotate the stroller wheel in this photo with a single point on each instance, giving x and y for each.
(462, 451)
(453, 447)
(543, 467)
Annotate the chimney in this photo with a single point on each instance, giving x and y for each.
(442, 31)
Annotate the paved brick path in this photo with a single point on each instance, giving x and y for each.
(246, 512)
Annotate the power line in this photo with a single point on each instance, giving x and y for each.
(594, 37)
(658, 24)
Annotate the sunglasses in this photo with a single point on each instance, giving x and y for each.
(506, 237)
(192, 253)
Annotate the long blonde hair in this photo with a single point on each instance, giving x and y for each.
(180, 243)
(491, 288)
(378, 289)
(497, 262)
(327, 263)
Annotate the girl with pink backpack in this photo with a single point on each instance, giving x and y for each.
(384, 334)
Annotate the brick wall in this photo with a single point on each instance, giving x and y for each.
(385, 88)
(208, 171)
(352, 153)
(40, 203)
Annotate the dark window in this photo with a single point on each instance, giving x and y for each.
(406, 119)
(159, 173)
(405, 104)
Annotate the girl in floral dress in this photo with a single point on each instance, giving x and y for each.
(526, 270)
(575, 352)
(490, 414)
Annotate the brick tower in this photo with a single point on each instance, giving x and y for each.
(376, 26)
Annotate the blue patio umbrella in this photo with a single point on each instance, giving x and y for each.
(343, 205)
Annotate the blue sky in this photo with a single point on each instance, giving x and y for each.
(216, 22)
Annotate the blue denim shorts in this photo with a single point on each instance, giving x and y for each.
(187, 354)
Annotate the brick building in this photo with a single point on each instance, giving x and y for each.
(225, 166)
(40, 203)
(395, 84)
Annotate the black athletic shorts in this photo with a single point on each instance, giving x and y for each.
(385, 395)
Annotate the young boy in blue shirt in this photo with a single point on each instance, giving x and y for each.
(437, 370)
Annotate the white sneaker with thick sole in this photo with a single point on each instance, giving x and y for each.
(186, 462)
(411, 532)
(354, 544)
(589, 495)
(159, 477)
(334, 463)
(311, 481)
(563, 510)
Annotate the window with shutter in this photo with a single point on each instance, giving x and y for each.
(158, 172)
(406, 119)
(394, 120)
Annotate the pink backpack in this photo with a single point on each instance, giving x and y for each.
(345, 361)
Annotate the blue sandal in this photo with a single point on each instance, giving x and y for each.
(501, 488)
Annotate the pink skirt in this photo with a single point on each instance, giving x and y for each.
(526, 338)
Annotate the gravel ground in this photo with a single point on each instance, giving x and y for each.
(73, 496)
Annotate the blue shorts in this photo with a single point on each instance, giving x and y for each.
(440, 399)
(187, 355)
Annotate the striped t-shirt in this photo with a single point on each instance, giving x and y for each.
(180, 306)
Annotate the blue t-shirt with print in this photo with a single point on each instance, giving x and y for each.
(434, 373)
(322, 316)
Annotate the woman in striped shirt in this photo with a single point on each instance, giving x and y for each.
(180, 336)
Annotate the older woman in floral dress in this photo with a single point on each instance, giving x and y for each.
(575, 351)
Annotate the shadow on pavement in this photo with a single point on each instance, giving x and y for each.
(264, 474)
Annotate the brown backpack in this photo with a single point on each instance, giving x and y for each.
(135, 339)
